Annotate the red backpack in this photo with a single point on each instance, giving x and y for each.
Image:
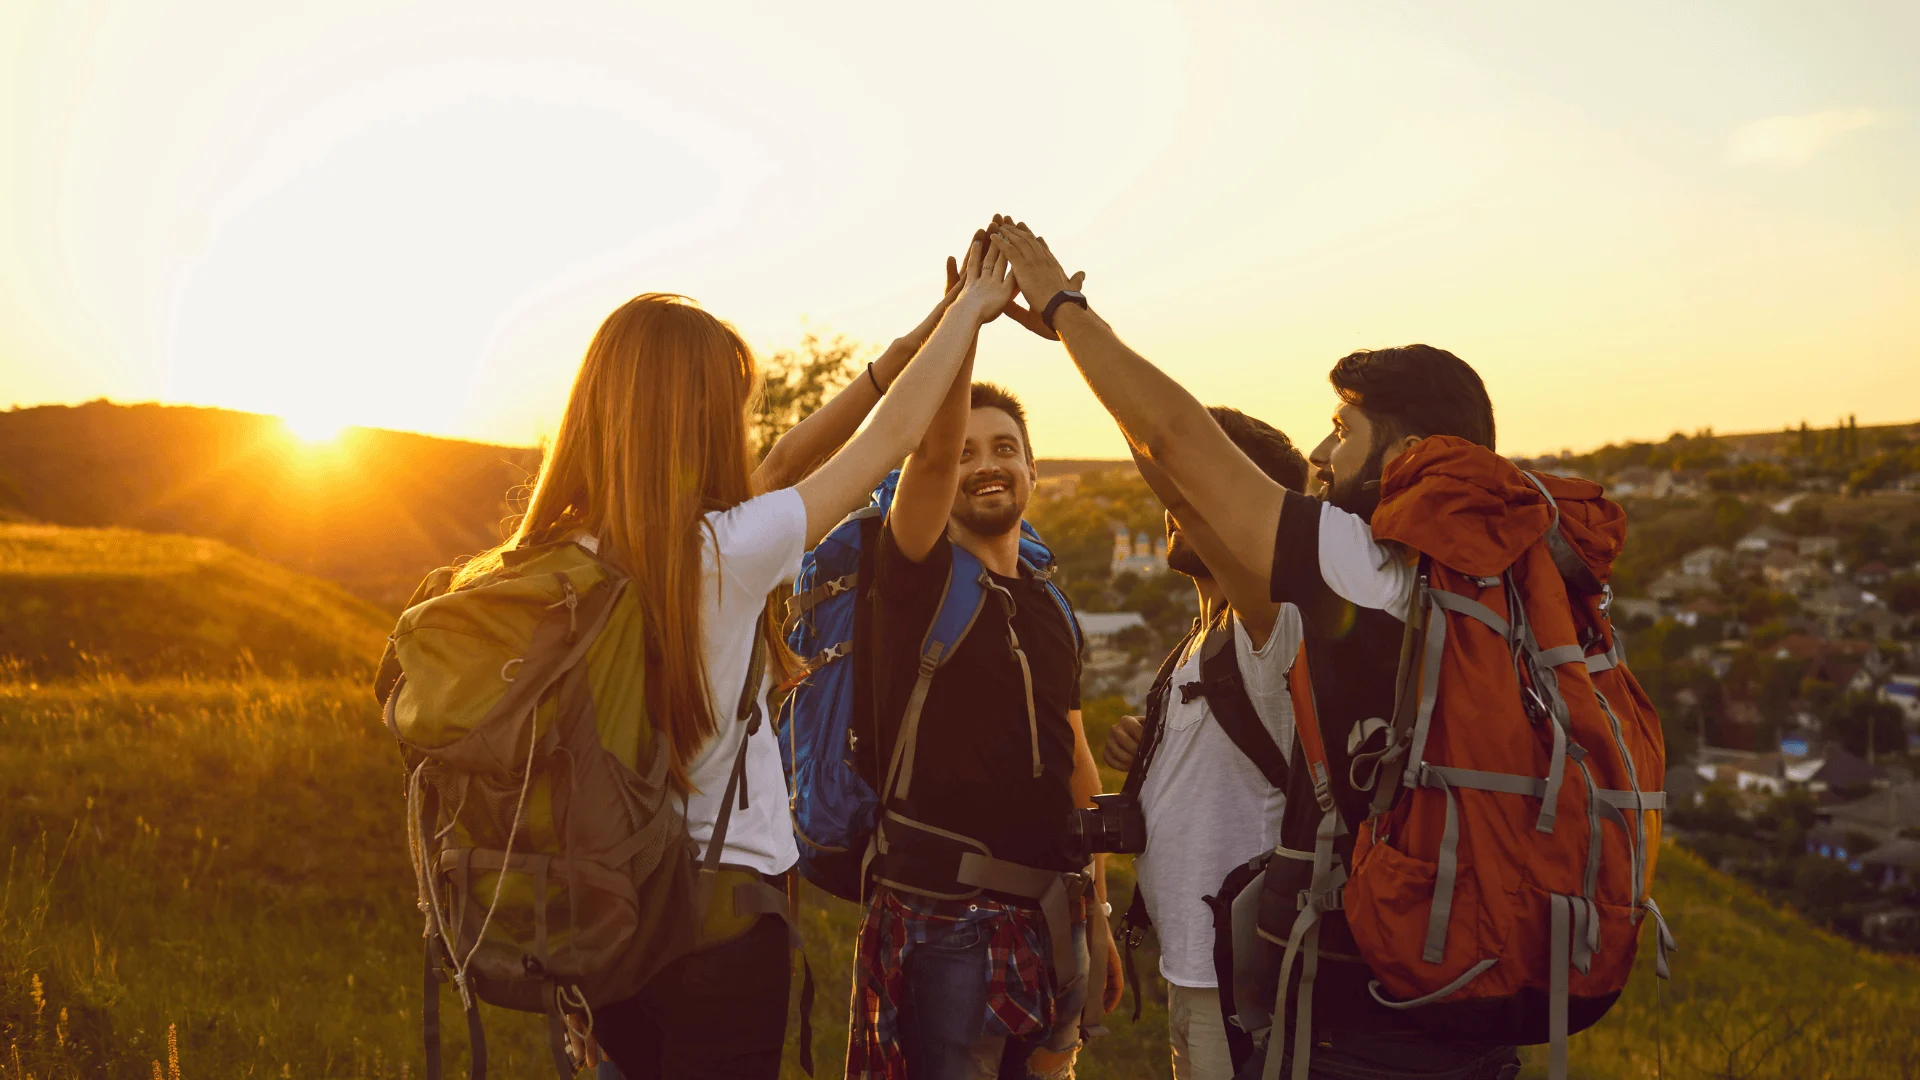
(1497, 887)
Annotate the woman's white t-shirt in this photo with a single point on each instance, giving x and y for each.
(747, 552)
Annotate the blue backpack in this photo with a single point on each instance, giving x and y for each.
(830, 730)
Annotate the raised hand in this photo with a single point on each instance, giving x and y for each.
(1034, 267)
(1027, 315)
(986, 285)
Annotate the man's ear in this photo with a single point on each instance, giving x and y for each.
(1405, 445)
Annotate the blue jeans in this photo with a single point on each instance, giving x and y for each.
(944, 1028)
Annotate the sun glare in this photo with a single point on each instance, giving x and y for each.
(313, 430)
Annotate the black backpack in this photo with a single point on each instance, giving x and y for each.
(1221, 684)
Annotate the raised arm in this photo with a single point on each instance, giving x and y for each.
(924, 500)
(1162, 422)
(1245, 586)
(814, 439)
(844, 481)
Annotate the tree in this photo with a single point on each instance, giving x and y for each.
(1806, 518)
(1854, 718)
(797, 382)
(1903, 593)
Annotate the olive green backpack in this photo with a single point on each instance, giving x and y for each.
(550, 855)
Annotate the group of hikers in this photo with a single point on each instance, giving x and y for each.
(1386, 799)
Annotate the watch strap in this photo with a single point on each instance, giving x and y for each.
(1064, 296)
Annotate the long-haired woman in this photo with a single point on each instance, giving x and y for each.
(652, 462)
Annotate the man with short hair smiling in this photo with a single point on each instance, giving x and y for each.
(987, 768)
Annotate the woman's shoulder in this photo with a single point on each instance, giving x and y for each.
(760, 537)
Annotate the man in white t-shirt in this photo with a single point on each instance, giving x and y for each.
(1210, 772)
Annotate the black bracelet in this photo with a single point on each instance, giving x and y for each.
(877, 388)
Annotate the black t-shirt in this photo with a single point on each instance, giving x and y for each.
(1353, 656)
(973, 770)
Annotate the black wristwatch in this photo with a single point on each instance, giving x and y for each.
(1064, 296)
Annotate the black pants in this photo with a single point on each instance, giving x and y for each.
(718, 1014)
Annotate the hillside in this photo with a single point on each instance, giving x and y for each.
(78, 601)
(225, 859)
(222, 858)
(371, 510)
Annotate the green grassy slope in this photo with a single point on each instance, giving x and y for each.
(79, 600)
(225, 858)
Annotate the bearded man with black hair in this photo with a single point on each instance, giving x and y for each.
(1319, 555)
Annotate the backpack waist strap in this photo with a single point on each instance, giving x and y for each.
(917, 858)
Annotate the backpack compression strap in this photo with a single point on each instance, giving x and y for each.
(1323, 893)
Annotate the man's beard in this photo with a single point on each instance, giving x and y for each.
(1358, 495)
(994, 522)
(1182, 559)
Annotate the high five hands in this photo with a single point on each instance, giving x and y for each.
(986, 286)
(1040, 275)
(1027, 315)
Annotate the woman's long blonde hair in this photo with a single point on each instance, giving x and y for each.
(653, 438)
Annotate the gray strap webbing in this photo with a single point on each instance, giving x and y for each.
(801, 603)
(1443, 881)
(1382, 780)
(1561, 654)
(1429, 684)
(1026, 670)
(1510, 783)
(1556, 772)
(1472, 609)
(1303, 943)
(1634, 800)
(1592, 878)
(1611, 799)
(901, 769)
(1637, 835)
(1026, 681)
(1663, 940)
(1052, 890)
(1605, 661)
(1559, 944)
(1374, 988)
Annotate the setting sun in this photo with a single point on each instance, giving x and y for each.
(313, 428)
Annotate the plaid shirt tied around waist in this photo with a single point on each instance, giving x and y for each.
(1021, 992)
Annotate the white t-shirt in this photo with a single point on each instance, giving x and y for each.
(1208, 807)
(752, 549)
(1360, 569)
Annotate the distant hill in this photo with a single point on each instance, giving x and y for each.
(372, 510)
(1050, 467)
(73, 601)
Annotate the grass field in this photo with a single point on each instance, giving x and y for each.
(204, 874)
(222, 860)
(82, 601)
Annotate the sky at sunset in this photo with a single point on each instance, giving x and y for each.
(1630, 217)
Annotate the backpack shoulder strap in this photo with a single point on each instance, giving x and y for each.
(959, 606)
(1066, 608)
(746, 712)
(1154, 723)
(1306, 723)
(1226, 693)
